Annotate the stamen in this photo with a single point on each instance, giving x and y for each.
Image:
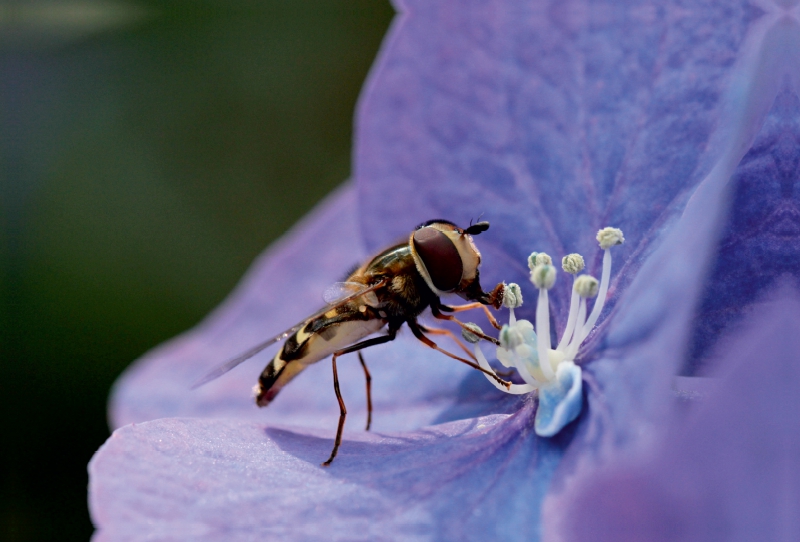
(572, 264)
(543, 277)
(512, 298)
(514, 389)
(573, 314)
(575, 343)
(607, 237)
(557, 377)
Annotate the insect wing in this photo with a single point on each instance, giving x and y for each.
(230, 364)
(338, 291)
(220, 370)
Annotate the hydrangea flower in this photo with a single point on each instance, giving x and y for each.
(558, 379)
(676, 123)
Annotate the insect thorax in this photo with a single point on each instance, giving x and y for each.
(407, 294)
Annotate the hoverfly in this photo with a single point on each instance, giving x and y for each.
(389, 290)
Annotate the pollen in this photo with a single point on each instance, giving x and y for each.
(608, 237)
(572, 264)
(586, 286)
(543, 276)
(539, 258)
(512, 296)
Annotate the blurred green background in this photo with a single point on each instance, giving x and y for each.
(148, 152)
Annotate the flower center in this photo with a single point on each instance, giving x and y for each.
(529, 351)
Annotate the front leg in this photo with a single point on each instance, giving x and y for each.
(417, 330)
(436, 311)
(470, 306)
(448, 333)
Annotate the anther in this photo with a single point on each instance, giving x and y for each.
(512, 296)
(572, 264)
(543, 276)
(608, 237)
(468, 336)
(539, 258)
(510, 337)
(586, 286)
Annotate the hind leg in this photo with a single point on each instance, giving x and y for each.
(369, 390)
(342, 410)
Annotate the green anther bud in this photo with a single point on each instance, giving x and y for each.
(510, 337)
(586, 286)
(543, 276)
(539, 258)
(512, 296)
(471, 337)
(572, 264)
(608, 237)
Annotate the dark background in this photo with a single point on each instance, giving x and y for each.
(148, 152)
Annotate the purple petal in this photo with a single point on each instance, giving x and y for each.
(761, 242)
(178, 479)
(645, 343)
(412, 385)
(551, 119)
(555, 121)
(727, 468)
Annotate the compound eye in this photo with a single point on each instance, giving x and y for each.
(440, 257)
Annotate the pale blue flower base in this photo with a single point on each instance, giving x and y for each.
(560, 401)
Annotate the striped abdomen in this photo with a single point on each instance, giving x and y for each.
(317, 340)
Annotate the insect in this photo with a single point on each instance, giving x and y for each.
(391, 289)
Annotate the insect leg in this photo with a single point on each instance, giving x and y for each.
(434, 331)
(470, 306)
(342, 410)
(415, 329)
(369, 390)
(437, 314)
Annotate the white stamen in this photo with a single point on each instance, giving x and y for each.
(512, 298)
(572, 264)
(605, 278)
(543, 334)
(528, 351)
(515, 389)
(573, 313)
(524, 372)
(543, 276)
(576, 341)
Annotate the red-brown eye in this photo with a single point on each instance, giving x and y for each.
(440, 257)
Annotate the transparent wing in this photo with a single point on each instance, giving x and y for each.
(241, 358)
(220, 370)
(341, 290)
